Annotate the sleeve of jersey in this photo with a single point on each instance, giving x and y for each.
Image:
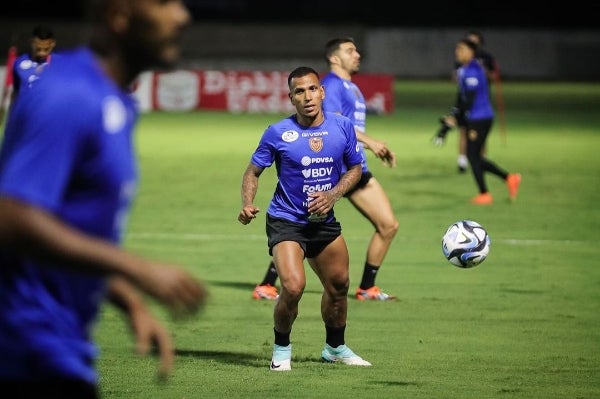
(264, 155)
(333, 98)
(44, 144)
(472, 81)
(352, 153)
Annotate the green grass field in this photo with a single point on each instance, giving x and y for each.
(523, 324)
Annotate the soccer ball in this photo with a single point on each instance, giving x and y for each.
(466, 244)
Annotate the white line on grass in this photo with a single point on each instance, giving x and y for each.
(255, 237)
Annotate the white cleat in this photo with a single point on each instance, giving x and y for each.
(342, 354)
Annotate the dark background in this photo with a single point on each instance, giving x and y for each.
(499, 14)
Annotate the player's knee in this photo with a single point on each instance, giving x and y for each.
(340, 287)
(388, 230)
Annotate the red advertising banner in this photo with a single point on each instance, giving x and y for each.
(249, 91)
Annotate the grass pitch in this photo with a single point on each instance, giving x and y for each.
(523, 324)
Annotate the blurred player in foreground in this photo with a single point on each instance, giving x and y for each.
(300, 219)
(474, 105)
(68, 174)
(368, 197)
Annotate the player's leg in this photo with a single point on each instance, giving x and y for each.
(462, 161)
(288, 257)
(373, 203)
(475, 142)
(289, 261)
(332, 267)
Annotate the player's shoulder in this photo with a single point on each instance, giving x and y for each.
(23, 62)
(340, 120)
(331, 79)
(76, 71)
(281, 125)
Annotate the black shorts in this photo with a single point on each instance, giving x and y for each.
(364, 179)
(312, 237)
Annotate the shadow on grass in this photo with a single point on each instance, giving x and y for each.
(249, 287)
(238, 358)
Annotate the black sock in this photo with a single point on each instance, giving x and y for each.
(335, 336)
(281, 339)
(368, 277)
(271, 275)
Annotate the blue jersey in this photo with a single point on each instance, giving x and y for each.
(25, 70)
(344, 97)
(67, 149)
(472, 83)
(308, 159)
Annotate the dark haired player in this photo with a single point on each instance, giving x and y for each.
(345, 98)
(474, 104)
(317, 160)
(488, 61)
(28, 66)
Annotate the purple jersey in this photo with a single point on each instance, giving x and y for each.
(67, 149)
(345, 98)
(25, 70)
(472, 78)
(308, 159)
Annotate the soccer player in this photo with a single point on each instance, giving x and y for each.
(368, 196)
(474, 104)
(68, 174)
(488, 61)
(28, 66)
(317, 160)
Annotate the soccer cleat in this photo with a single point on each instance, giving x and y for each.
(282, 358)
(373, 293)
(513, 181)
(462, 163)
(266, 291)
(342, 354)
(482, 199)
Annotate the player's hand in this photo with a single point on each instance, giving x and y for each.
(389, 158)
(381, 151)
(247, 214)
(177, 289)
(438, 140)
(151, 335)
(321, 202)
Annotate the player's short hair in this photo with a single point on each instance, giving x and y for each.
(469, 43)
(333, 45)
(301, 71)
(478, 34)
(42, 32)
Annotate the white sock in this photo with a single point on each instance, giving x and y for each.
(462, 161)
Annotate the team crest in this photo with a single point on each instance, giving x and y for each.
(316, 144)
(472, 134)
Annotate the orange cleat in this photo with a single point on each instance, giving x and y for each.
(513, 181)
(266, 291)
(373, 293)
(482, 199)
